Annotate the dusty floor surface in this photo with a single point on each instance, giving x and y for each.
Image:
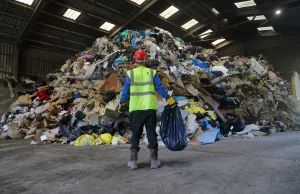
(232, 166)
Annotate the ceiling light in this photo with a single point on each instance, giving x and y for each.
(72, 14)
(278, 12)
(168, 12)
(258, 17)
(27, 2)
(245, 4)
(107, 26)
(206, 33)
(139, 2)
(215, 11)
(189, 24)
(216, 42)
(225, 20)
(267, 28)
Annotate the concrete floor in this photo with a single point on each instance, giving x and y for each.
(232, 166)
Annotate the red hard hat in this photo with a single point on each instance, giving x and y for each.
(140, 56)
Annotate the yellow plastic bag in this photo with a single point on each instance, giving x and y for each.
(95, 136)
(97, 141)
(106, 138)
(120, 139)
(212, 114)
(84, 140)
(194, 108)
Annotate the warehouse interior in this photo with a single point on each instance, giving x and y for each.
(224, 96)
(37, 38)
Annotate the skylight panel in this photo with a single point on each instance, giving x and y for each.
(72, 14)
(206, 33)
(215, 11)
(27, 2)
(139, 2)
(169, 12)
(190, 24)
(243, 4)
(266, 28)
(216, 42)
(258, 17)
(107, 26)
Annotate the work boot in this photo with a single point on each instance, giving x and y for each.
(155, 163)
(133, 160)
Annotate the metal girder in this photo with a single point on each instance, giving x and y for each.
(37, 47)
(200, 26)
(4, 34)
(72, 21)
(80, 10)
(49, 44)
(96, 3)
(12, 15)
(223, 44)
(10, 26)
(144, 23)
(64, 30)
(5, 40)
(127, 21)
(165, 20)
(29, 21)
(262, 10)
(107, 7)
(57, 38)
(19, 4)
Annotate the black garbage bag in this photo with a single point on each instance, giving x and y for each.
(172, 130)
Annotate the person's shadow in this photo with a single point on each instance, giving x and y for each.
(171, 164)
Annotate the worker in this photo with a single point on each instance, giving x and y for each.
(140, 85)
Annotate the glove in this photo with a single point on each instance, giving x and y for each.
(172, 102)
(122, 107)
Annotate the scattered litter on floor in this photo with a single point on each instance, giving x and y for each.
(217, 97)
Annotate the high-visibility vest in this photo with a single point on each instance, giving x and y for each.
(142, 92)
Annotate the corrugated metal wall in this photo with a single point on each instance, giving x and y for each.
(6, 59)
(282, 51)
(38, 61)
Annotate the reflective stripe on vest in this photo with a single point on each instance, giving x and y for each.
(142, 92)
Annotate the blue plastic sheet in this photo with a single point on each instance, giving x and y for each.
(178, 98)
(172, 130)
(201, 64)
(208, 137)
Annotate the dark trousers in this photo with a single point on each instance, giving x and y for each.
(140, 118)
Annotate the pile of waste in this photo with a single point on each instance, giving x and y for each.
(218, 96)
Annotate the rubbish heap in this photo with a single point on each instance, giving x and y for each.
(218, 97)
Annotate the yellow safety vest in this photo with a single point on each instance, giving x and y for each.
(142, 92)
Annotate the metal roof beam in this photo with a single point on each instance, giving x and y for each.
(9, 35)
(72, 21)
(203, 23)
(12, 15)
(137, 14)
(10, 26)
(64, 30)
(165, 20)
(29, 21)
(49, 44)
(19, 4)
(80, 10)
(96, 3)
(57, 38)
(44, 48)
